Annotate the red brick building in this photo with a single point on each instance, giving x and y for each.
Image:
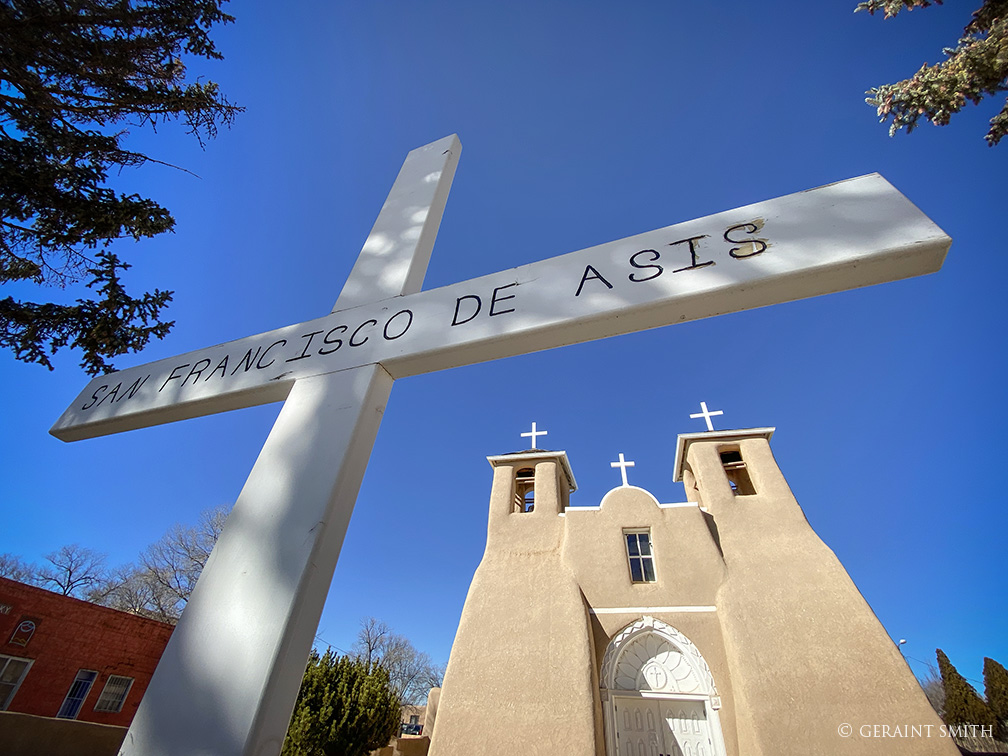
(65, 658)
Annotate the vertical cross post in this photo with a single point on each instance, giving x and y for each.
(228, 679)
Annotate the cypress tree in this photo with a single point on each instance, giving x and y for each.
(996, 691)
(962, 704)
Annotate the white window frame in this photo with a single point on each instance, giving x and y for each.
(5, 659)
(113, 702)
(642, 558)
(79, 678)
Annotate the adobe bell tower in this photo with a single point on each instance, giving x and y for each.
(523, 627)
(806, 652)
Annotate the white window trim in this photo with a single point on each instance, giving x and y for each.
(70, 690)
(17, 685)
(122, 700)
(651, 556)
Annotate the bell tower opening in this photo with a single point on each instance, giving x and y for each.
(732, 453)
(735, 469)
(534, 481)
(524, 498)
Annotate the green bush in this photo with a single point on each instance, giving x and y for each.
(345, 708)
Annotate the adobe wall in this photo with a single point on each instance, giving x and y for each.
(793, 648)
(520, 676)
(806, 651)
(688, 564)
(28, 735)
(688, 569)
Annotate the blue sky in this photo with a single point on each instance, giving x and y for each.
(580, 123)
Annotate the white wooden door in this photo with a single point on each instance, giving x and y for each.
(640, 728)
(687, 732)
(662, 727)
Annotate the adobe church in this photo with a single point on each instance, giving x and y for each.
(721, 626)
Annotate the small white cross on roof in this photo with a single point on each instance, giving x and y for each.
(622, 465)
(533, 434)
(706, 414)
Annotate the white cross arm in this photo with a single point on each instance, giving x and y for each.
(845, 235)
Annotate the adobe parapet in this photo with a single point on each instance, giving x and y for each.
(531, 456)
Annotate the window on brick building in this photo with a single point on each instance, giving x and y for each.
(113, 695)
(78, 692)
(12, 672)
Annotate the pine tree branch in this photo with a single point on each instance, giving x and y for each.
(975, 69)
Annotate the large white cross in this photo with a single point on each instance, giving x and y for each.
(228, 679)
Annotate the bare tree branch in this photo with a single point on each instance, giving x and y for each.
(411, 672)
(72, 570)
(14, 567)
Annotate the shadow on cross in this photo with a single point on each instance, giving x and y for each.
(259, 578)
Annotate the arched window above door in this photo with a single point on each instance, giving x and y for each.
(650, 655)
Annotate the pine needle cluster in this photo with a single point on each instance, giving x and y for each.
(975, 68)
(75, 75)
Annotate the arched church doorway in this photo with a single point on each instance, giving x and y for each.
(658, 694)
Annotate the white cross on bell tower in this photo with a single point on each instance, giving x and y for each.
(533, 433)
(706, 414)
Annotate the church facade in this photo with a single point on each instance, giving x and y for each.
(721, 626)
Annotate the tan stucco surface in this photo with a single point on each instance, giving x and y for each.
(523, 629)
(805, 652)
(30, 735)
(791, 648)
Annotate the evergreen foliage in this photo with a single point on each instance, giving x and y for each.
(344, 708)
(962, 704)
(972, 70)
(996, 691)
(74, 74)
